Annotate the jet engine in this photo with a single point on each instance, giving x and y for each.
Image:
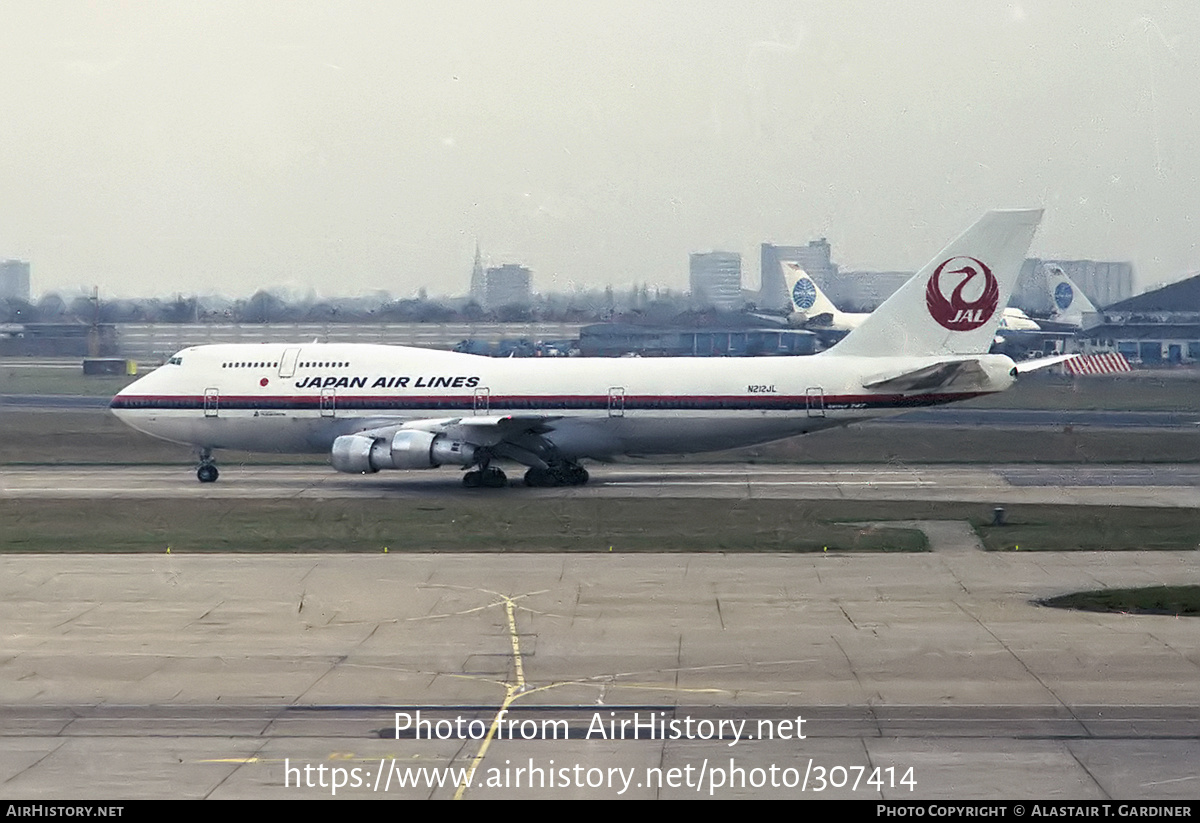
(406, 449)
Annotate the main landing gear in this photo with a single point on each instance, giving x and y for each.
(207, 473)
(557, 474)
(488, 478)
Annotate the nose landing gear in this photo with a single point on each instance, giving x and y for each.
(207, 473)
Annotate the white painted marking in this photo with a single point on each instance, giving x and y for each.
(768, 483)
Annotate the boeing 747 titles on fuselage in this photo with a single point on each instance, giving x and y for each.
(373, 407)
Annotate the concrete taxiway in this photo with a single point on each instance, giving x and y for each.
(917, 676)
(1174, 485)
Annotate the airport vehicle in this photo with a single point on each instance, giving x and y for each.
(373, 407)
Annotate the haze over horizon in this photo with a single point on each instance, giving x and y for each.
(222, 147)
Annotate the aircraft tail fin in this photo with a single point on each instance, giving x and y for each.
(1070, 303)
(807, 297)
(953, 304)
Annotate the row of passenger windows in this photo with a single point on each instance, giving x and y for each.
(260, 365)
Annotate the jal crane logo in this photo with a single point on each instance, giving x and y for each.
(957, 312)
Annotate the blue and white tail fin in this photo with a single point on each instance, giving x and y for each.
(953, 304)
(808, 300)
(1070, 303)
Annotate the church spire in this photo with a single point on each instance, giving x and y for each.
(477, 276)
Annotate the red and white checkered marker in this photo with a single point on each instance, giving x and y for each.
(1089, 364)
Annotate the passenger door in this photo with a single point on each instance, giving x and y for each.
(815, 401)
(287, 366)
(616, 401)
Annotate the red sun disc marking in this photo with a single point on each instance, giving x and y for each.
(263, 382)
(956, 313)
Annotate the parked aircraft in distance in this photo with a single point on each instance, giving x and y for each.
(373, 407)
(1070, 303)
(1052, 333)
(810, 305)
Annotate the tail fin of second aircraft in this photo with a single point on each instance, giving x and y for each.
(807, 297)
(953, 304)
(1070, 303)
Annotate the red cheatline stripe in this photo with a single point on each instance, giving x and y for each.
(551, 402)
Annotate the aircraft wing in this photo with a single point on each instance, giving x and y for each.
(929, 378)
(481, 430)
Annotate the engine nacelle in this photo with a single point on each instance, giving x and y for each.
(407, 449)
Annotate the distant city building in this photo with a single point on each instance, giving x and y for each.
(716, 279)
(507, 285)
(814, 258)
(14, 280)
(866, 290)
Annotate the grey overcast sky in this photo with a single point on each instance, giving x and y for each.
(160, 147)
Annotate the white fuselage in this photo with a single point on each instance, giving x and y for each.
(299, 398)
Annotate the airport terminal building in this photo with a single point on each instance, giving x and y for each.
(1160, 327)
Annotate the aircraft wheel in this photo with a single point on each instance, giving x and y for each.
(473, 480)
(207, 473)
(536, 477)
(571, 474)
(495, 479)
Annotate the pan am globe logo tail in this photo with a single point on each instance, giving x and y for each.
(1063, 295)
(957, 312)
(804, 294)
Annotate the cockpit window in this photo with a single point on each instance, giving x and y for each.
(175, 361)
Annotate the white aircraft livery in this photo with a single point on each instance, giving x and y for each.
(1070, 303)
(809, 303)
(373, 407)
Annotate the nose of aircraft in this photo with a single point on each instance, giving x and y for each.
(124, 399)
(132, 389)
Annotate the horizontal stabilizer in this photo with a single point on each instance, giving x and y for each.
(1026, 366)
(1080, 365)
(929, 378)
